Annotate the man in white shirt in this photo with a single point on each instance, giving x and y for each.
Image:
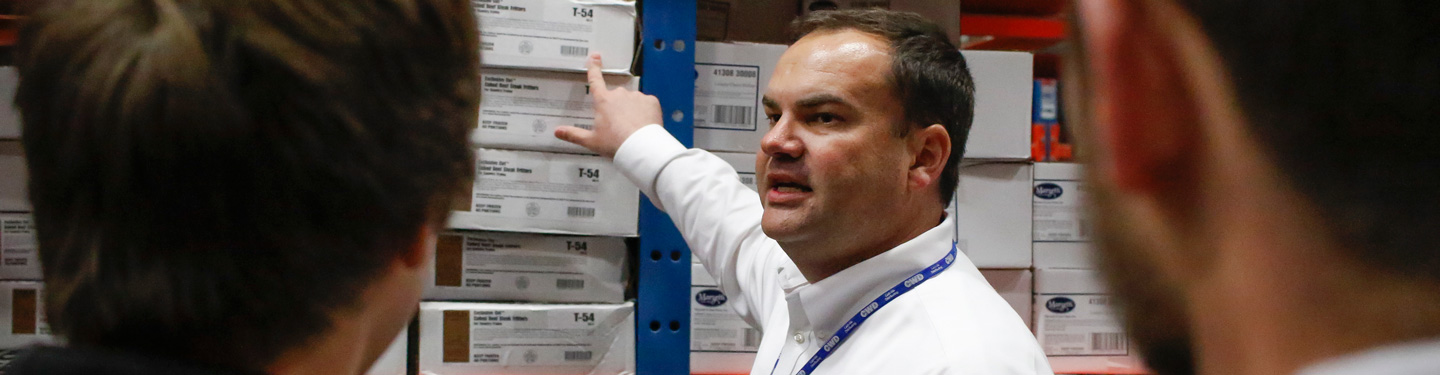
(869, 113)
(1265, 174)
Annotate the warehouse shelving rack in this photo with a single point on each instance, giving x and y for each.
(662, 329)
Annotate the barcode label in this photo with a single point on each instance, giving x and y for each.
(580, 211)
(733, 114)
(1107, 341)
(574, 51)
(579, 355)
(569, 284)
(752, 338)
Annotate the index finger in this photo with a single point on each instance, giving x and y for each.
(597, 80)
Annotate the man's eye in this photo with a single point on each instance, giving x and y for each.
(826, 118)
(773, 119)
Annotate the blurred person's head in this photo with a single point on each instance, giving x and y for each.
(1264, 175)
(231, 182)
(869, 113)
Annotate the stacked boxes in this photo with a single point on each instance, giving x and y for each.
(544, 221)
(721, 342)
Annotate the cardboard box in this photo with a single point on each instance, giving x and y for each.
(556, 35)
(19, 257)
(1078, 326)
(744, 165)
(523, 191)
(9, 115)
(757, 21)
(22, 315)
(497, 266)
(945, 13)
(992, 214)
(1003, 95)
(720, 341)
(395, 358)
(13, 177)
(485, 338)
(1017, 287)
(730, 79)
(520, 109)
(1065, 255)
(1062, 230)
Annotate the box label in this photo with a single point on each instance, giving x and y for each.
(1080, 325)
(561, 189)
(715, 327)
(521, 109)
(557, 32)
(555, 337)
(1058, 215)
(506, 264)
(727, 96)
(17, 247)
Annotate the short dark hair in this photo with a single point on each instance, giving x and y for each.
(212, 179)
(1344, 97)
(929, 74)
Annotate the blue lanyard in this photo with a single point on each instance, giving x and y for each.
(884, 299)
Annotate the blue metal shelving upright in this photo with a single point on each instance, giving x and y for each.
(662, 330)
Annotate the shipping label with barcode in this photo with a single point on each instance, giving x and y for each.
(727, 97)
(1079, 325)
(1058, 210)
(577, 338)
(18, 257)
(528, 267)
(536, 191)
(520, 109)
(714, 325)
(548, 32)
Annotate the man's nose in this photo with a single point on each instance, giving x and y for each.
(780, 142)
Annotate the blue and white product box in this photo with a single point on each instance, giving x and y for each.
(992, 214)
(13, 177)
(9, 115)
(1003, 95)
(720, 341)
(393, 361)
(1062, 227)
(1078, 325)
(1017, 287)
(730, 79)
(22, 315)
(489, 338)
(19, 255)
(500, 266)
(525, 191)
(520, 109)
(555, 35)
(1046, 108)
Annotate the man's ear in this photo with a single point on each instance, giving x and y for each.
(929, 152)
(418, 253)
(1144, 110)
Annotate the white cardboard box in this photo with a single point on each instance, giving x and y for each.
(730, 79)
(1062, 231)
(523, 191)
(992, 214)
(13, 177)
(720, 341)
(1017, 287)
(22, 315)
(393, 361)
(19, 257)
(555, 35)
(486, 338)
(520, 109)
(744, 164)
(498, 266)
(944, 13)
(1003, 94)
(9, 116)
(1078, 326)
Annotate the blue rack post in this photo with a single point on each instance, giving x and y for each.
(662, 330)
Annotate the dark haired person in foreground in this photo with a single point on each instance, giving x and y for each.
(843, 260)
(1265, 174)
(239, 187)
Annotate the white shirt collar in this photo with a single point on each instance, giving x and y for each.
(1413, 358)
(823, 306)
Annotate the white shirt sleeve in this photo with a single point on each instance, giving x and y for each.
(718, 216)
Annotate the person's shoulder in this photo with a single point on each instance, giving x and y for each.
(963, 314)
(50, 360)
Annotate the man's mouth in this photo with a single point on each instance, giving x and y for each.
(790, 187)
